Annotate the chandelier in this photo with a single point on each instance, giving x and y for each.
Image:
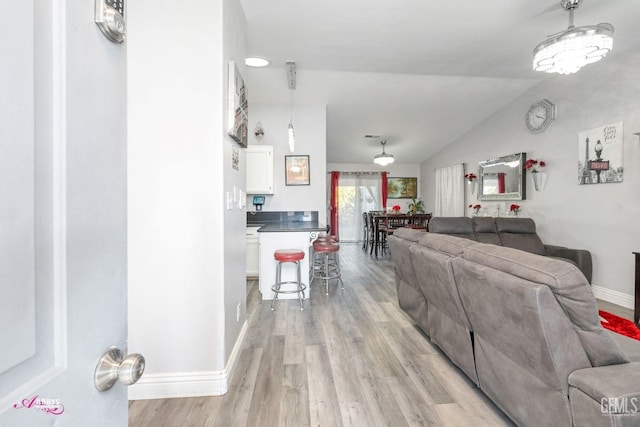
(568, 51)
(383, 159)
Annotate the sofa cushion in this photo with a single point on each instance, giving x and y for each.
(569, 287)
(409, 234)
(484, 228)
(460, 226)
(520, 233)
(450, 245)
(525, 346)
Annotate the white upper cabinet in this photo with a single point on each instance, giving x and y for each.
(259, 169)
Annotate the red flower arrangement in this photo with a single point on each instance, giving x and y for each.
(470, 177)
(396, 208)
(515, 209)
(476, 208)
(533, 164)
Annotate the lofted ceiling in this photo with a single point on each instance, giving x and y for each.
(418, 73)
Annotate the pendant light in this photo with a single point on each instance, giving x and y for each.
(291, 79)
(568, 51)
(383, 159)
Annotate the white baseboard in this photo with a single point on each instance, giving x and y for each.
(188, 384)
(614, 297)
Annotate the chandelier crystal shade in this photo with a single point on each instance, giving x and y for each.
(383, 159)
(570, 50)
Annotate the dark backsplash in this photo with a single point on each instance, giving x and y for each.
(281, 216)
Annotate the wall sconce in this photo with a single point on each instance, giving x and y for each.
(259, 131)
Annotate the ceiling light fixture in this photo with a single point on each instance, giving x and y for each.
(291, 79)
(256, 61)
(568, 51)
(383, 159)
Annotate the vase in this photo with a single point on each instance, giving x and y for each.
(472, 186)
(538, 180)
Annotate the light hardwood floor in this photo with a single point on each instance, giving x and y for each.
(352, 358)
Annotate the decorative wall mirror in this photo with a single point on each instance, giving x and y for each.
(503, 178)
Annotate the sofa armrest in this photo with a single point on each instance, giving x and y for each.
(606, 395)
(580, 257)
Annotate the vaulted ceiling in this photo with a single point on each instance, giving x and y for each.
(418, 73)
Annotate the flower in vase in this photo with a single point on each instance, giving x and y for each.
(476, 208)
(470, 177)
(396, 208)
(515, 209)
(533, 165)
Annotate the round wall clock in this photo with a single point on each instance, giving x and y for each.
(540, 115)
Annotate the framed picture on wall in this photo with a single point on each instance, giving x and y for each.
(238, 106)
(296, 170)
(402, 188)
(600, 155)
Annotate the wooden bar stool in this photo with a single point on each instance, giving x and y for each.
(286, 256)
(330, 267)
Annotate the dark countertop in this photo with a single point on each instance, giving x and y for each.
(292, 226)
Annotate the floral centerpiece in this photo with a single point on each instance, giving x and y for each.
(470, 177)
(395, 208)
(515, 209)
(476, 208)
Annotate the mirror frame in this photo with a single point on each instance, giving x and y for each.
(521, 194)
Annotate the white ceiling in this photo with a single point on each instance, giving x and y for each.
(419, 73)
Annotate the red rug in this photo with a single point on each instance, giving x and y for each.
(619, 325)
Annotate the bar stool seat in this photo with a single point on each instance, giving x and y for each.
(284, 256)
(328, 267)
(288, 255)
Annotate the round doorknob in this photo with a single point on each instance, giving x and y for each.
(113, 367)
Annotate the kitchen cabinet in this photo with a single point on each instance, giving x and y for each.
(259, 159)
(253, 252)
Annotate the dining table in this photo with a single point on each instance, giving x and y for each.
(384, 224)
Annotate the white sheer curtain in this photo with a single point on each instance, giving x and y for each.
(358, 192)
(450, 191)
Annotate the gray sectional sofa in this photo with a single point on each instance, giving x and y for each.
(523, 327)
(518, 233)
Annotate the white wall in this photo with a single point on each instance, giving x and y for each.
(601, 218)
(234, 253)
(310, 124)
(394, 170)
(183, 284)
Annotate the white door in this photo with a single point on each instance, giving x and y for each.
(63, 291)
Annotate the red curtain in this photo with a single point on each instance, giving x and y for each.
(501, 182)
(384, 191)
(334, 204)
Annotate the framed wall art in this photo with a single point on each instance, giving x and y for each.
(296, 170)
(402, 188)
(238, 120)
(600, 155)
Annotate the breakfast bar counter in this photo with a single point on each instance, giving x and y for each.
(287, 231)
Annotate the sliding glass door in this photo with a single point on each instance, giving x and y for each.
(358, 192)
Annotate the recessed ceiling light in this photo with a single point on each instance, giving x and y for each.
(256, 61)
